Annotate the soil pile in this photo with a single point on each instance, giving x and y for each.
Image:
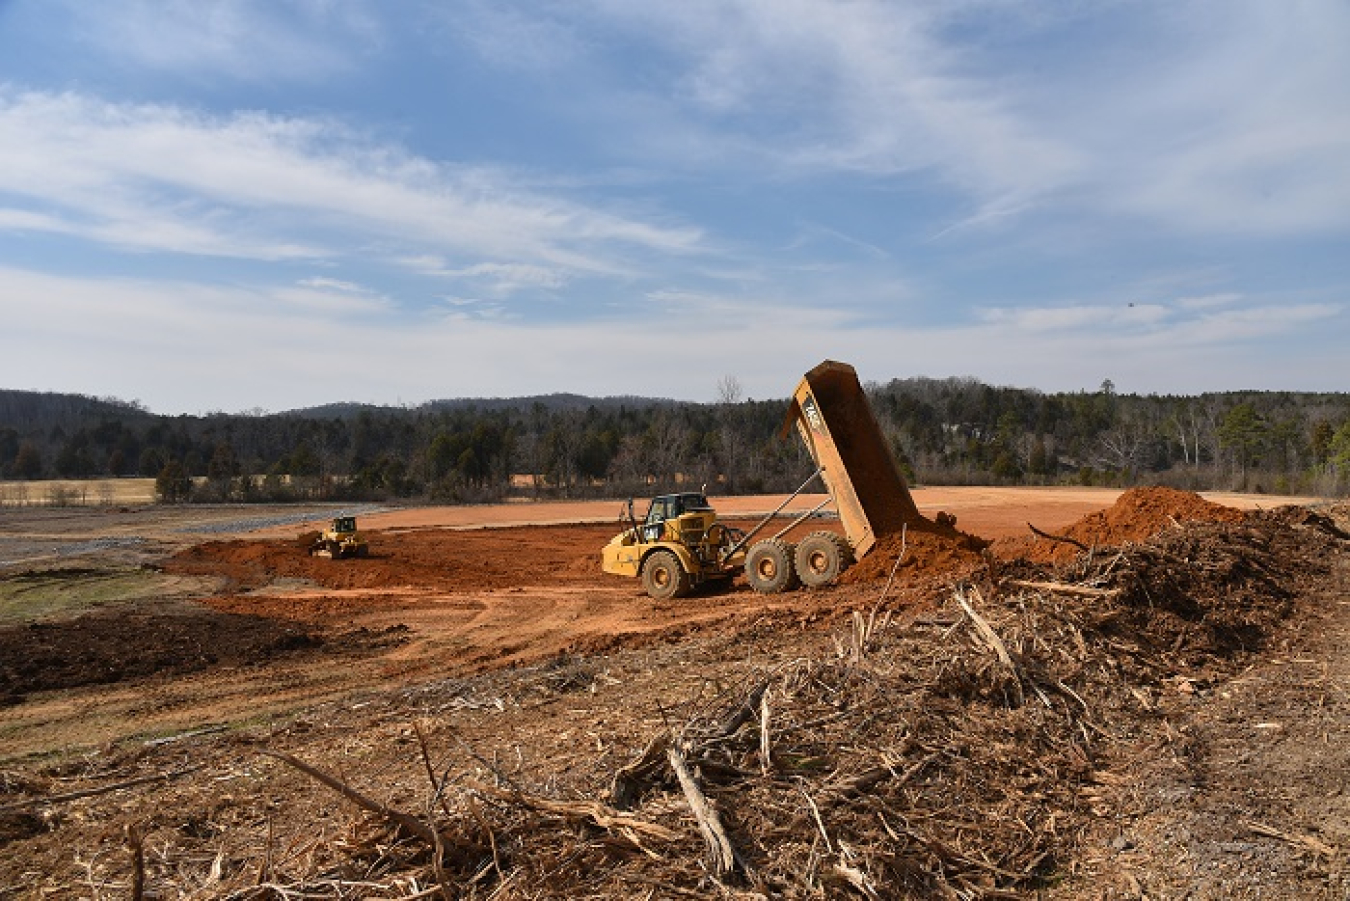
(1136, 516)
(921, 553)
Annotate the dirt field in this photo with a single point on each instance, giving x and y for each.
(171, 618)
(1184, 737)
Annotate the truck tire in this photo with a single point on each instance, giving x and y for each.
(768, 566)
(663, 577)
(821, 557)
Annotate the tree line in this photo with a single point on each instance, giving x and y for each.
(942, 431)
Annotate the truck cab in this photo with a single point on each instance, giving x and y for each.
(676, 548)
(671, 507)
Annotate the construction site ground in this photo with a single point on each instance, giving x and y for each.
(1177, 728)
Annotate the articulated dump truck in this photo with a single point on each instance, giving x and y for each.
(680, 545)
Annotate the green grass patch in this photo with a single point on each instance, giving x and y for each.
(25, 597)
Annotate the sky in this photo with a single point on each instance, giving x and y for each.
(230, 205)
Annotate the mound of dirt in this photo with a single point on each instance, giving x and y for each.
(939, 551)
(1136, 516)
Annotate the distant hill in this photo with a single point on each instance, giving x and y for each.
(27, 411)
(942, 431)
(550, 402)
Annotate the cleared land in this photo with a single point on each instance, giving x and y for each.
(1183, 733)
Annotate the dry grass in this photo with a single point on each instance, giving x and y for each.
(77, 492)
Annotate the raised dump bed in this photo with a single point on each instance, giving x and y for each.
(835, 420)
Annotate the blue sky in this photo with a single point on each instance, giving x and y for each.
(239, 204)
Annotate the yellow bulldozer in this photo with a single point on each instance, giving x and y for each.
(681, 545)
(341, 539)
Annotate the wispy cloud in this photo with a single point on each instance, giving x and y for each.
(1215, 320)
(159, 178)
(499, 279)
(1227, 117)
(1208, 301)
(1044, 320)
(247, 40)
(474, 349)
(333, 297)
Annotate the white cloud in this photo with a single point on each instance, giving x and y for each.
(321, 283)
(1208, 301)
(332, 297)
(498, 279)
(1036, 320)
(268, 187)
(1207, 115)
(1272, 322)
(182, 347)
(1213, 320)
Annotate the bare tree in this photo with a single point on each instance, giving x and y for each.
(729, 390)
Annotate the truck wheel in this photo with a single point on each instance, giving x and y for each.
(768, 566)
(822, 556)
(663, 577)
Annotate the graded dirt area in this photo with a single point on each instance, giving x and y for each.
(173, 618)
(1170, 671)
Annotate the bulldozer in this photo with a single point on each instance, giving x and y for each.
(341, 539)
(681, 545)
(677, 548)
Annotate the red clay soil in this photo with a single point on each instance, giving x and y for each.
(934, 552)
(274, 601)
(1136, 516)
(432, 559)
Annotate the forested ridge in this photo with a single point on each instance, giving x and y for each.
(943, 431)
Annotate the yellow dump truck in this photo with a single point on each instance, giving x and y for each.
(680, 545)
(830, 412)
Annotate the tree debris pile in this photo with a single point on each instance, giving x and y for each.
(956, 753)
